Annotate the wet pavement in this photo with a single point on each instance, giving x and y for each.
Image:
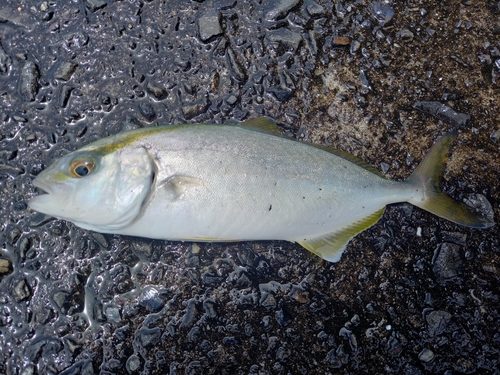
(412, 295)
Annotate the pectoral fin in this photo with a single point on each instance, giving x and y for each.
(179, 185)
(331, 246)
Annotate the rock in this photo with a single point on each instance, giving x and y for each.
(437, 322)
(5, 61)
(21, 291)
(64, 94)
(237, 70)
(284, 40)
(148, 111)
(194, 109)
(28, 84)
(447, 262)
(426, 355)
(313, 9)
(133, 364)
(94, 5)
(443, 112)
(5, 267)
(382, 12)
(280, 9)
(151, 300)
(158, 92)
(149, 337)
(65, 70)
(405, 35)
(209, 26)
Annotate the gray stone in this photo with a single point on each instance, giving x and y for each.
(281, 9)
(65, 70)
(209, 25)
(28, 84)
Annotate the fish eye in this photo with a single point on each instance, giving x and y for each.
(81, 167)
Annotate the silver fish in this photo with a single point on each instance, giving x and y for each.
(202, 182)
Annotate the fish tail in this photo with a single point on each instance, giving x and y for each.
(426, 179)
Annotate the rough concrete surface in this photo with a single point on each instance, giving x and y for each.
(379, 79)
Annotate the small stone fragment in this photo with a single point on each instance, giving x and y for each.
(284, 40)
(5, 61)
(149, 337)
(194, 109)
(94, 5)
(148, 111)
(10, 171)
(158, 92)
(382, 12)
(5, 267)
(443, 112)
(313, 9)
(405, 35)
(437, 322)
(65, 70)
(21, 291)
(28, 85)
(151, 300)
(426, 355)
(236, 68)
(133, 364)
(64, 94)
(209, 25)
(341, 41)
(447, 263)
(281, 9)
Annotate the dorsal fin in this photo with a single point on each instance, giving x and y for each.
(263, 124)
(268, 125)
(353, 159)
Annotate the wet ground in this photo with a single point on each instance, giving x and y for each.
(412, 295)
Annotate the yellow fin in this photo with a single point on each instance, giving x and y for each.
(427, 177)
(331, 246)
(263, 124)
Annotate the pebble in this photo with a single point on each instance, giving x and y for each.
(29, 85)
(281, 9)
(157, 92)
(65, 70)
(237, 70)
(284, 39)
(95, 5)
(382, 12)
(148, 111)
(313, 9)
(209, 26)
(437, 322)
(5, 61)
(426, 355)
(447, 262)
(443, 112)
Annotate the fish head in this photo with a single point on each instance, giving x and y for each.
(96, 189)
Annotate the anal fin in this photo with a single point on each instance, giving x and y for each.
(330, 246)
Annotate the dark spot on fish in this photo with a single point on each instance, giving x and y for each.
(270, 207)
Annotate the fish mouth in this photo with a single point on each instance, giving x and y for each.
(41, 186)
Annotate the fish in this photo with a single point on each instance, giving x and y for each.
(243, 182)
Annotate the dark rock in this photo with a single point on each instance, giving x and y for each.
(194, 109)
(21, 291)
(151, 300)
(209, 25)
(133, 364)
(5, 267)
(5, 61)
(158, 92)
(43, 347)
(148, 111)
(366, 85)
(65, 70)
(64, 95)
(280, 9)
(149, 337)
(313, 9)
(237, 70)
(28, 84)
(447, 262)
(8, 170)
(405, 35)
(437, 322)
(382, 12)
(444, 113)
(94, 5)
(284, 40)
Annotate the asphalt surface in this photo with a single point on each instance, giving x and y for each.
(414, 294)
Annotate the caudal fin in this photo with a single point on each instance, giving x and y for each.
(427, 176)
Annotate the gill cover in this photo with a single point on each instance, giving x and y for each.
(101, 193)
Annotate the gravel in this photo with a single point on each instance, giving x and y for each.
(382, 80)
